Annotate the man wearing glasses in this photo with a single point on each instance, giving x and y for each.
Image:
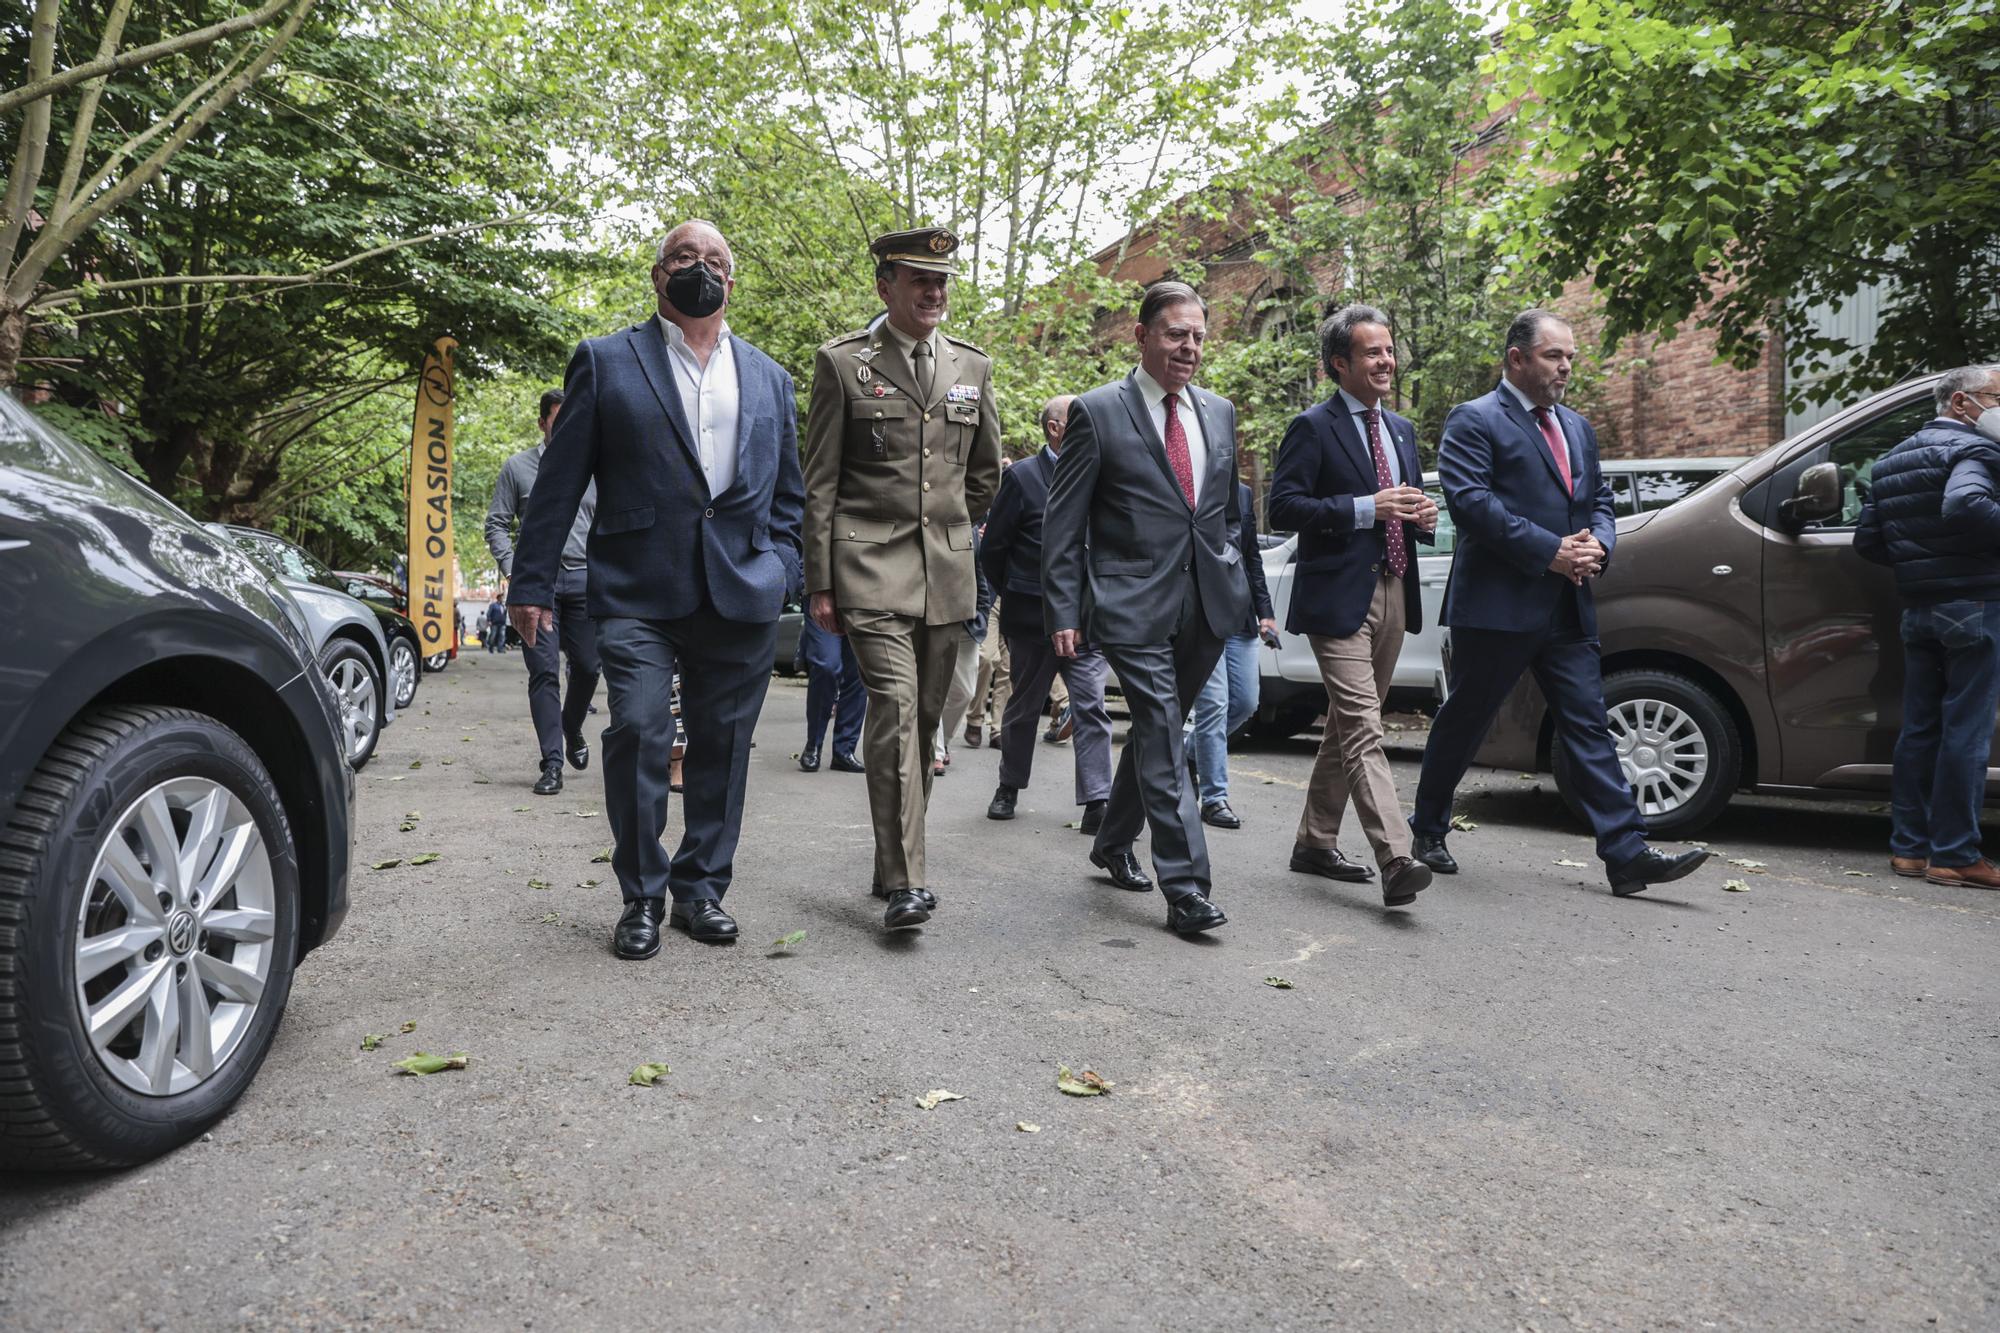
(1933, 516)
(691, 436)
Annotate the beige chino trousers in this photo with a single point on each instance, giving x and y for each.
(1356, 671)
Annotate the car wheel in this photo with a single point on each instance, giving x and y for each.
(150, 886)
(1281, 722)
(1678, 745)
(436, 662)
(403, 671)
(357, 690)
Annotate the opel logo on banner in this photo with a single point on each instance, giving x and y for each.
(180, 932)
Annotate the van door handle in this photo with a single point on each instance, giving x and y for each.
(1722, 571)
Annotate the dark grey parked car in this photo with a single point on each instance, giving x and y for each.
(175, 809)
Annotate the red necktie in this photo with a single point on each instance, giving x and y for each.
(1556, 447)
(1177, 452)
(1392, 530)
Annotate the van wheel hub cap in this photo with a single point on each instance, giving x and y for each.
(1662, 750)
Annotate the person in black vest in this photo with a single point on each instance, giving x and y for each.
(1011, 558)
(1934, 518)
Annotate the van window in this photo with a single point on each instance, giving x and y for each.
(1447, 535)
(1660, 487)
(1857, 451)
(1621, 493)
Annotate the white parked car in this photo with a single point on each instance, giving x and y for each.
(1291, 696)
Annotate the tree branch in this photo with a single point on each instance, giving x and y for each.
(41, 85)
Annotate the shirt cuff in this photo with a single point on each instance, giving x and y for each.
(1364, 512)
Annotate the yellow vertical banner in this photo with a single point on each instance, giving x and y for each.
(431, 559)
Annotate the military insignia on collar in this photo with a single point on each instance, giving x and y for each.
(962, 393)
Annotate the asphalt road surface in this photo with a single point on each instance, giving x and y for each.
(1523, 1104)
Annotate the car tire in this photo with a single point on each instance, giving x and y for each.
(403, 670)
(1679, 745)
(1282, 721)
(358, 697)
(114, 781)
(435, 662)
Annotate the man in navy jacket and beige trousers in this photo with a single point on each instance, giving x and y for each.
(1534, 521)
(691, 435)
(1348, 482)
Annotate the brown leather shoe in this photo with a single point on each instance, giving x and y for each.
(1403, 878)
(972, 735)
(1909, 867)
(1981, 874)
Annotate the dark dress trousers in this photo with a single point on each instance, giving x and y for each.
(1010, 556)
(1509, 613)
(1323, 464)
(680, 580)
(1157, 587)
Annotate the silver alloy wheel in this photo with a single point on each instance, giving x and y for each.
(436, 661)
(174, 936)
(1662, 750)
(354, 689)
(402, 672)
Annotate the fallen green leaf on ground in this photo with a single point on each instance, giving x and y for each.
(410, 1026)
(444, 761)
(482, 782)
(520, 809)
(1746, 863)
(601, 857)
(586, 814)
(1463, 824)
(465, 740)
(416, 763)
(424, 860)
(538, 884)
(422, 1063)
(1735, 886)
(645, 1076)
(1573, 865)
(930, 1100)
(389, 864)
(371, 1041)
(1074, 823)
(551, 919)
(407, 826)
(413, 814)
(1027, 1128)
(1086, 1084)
(1860, 874)
(1278, 983)
(786, 943)
(1525, 777)
(588, 883)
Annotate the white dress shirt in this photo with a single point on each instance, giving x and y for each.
(1555, 419)
(1364, 505)
(710, 400)
(1185, 413)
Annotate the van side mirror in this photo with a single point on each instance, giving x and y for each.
(1817, 497)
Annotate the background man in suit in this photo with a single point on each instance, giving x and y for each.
(1230, 696)
(833, 691)
(1534, 522)
(965, 669)
(1348, 482)
(1141, 556)
(902, 458)
(1012, 558)
(558, 722)
(691, 434)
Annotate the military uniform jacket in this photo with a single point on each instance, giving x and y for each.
(893, 485)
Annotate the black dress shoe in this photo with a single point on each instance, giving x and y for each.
(1221, 816)
(929, 899)
(551, 780)
(1002, 804)
(1123, 867)
(703, 919)
(638, 932)
(577, 750)
(1194, 914)
(906, 909)
(1328, 862)
(1402, 880)
(1429, 848)
(845, 762)
(1093, 817)
(1650, 867)
(809, 759)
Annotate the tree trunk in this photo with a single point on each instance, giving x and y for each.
(13, 331)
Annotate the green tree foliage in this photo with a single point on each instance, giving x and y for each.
(1739, 165)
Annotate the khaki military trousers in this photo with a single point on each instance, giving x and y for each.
(906, 667)
(1357, 671)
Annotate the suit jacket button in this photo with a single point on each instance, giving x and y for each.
(850, 533)
(927, 485)
(927, 453)
(708, 513)
(927, 416)
(878, 415)
(1374, 569)
(1184, 569)
(927, 520)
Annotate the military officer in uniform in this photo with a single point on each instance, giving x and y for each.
(902, 457)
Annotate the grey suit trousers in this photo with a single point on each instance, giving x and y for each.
(1152, 785)
(1035, 666)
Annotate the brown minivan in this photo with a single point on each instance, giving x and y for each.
(1746, 646)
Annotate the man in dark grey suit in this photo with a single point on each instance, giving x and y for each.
(1140, 556)
(691, 435)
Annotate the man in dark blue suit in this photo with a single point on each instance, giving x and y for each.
(1534, 521)
(1348, 482)
(691, 435)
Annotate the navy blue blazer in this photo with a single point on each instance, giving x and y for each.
(663, 547)
(1507, 501)
(1323, 466)
(1010, 552)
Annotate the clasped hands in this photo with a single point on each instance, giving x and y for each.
(1580, 557)
(1409, 504)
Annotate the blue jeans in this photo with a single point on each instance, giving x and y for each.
(1951, 686)
(1224, 704)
